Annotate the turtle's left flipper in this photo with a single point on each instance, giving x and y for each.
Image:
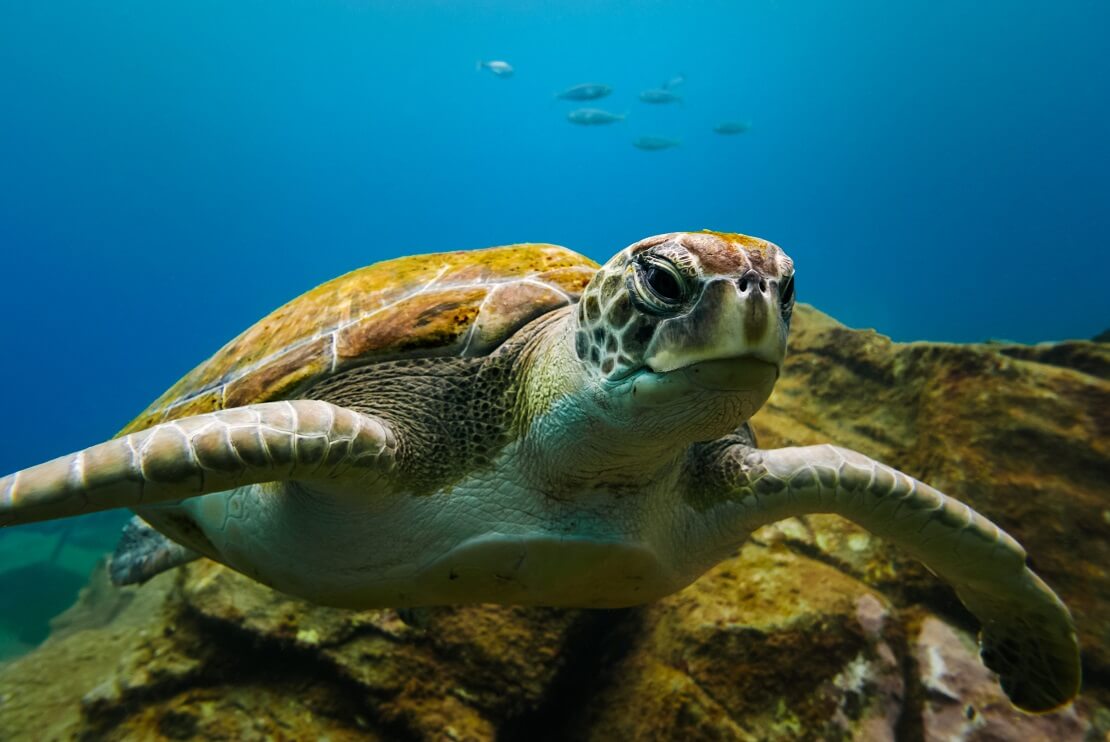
(304, 440)
(1027, 636)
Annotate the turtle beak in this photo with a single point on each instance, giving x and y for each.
(734, 319)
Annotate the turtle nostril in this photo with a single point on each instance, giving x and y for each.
(752, 280)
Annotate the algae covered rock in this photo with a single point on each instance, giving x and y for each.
(468, 670)
(769, 645)
(814, 630)
(206, 653)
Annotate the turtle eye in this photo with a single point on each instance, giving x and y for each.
(658, 284)
(786, 291)
(663, 283)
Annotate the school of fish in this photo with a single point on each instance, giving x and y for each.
(589, 115)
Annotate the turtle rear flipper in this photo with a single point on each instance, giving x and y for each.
(308, 441)
(143, 553)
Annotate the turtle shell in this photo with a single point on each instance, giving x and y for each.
(462, 303)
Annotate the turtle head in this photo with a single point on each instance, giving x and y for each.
(689, 317)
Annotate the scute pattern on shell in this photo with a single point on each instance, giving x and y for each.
(463, 303)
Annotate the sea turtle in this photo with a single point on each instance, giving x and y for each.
(518, 425)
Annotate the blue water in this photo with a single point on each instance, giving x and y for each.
(170, 172)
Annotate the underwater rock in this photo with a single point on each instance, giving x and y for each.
(769, 645)
(469, 670)
(816, 629)
(87, 663)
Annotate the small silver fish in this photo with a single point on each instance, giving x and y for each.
(732, 127)
(674, 82)
(654, 144)
(660, 95)
(497, 67)
(586, 91)
(592, 116)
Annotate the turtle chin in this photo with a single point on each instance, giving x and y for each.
(744, 382)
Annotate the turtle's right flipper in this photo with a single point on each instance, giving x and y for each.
(143, 552)
(303, 440)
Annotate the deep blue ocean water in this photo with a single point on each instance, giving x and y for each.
(171, 172)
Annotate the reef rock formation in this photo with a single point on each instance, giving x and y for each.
(814, 630)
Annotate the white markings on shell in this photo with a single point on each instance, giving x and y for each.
(333, 331)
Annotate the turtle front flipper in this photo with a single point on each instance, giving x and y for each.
(1027, 635)
(303, 440)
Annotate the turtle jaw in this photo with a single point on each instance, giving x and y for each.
(747, 377)
(744, 374)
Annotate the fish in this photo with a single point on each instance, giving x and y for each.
(674, 82)
(660, 95)
(497, 67)
(591, 116)
(732, 127)
(653, 144)
(585, 91)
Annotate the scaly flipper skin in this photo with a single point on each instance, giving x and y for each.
(1027, 635)
(303, 440)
